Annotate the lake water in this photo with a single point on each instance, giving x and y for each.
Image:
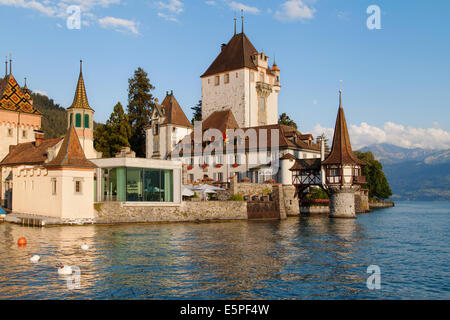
(299, 258)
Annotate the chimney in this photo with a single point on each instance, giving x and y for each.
(322, 147)
(38, 137)
(222, 47)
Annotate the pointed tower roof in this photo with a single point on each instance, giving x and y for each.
(80, 101)
(13, 98)
(173, 113)
(341, 151)
(71, 153)
(235, 55)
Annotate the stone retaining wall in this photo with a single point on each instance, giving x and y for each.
(315, 210)
(381, 204)
(115, 212)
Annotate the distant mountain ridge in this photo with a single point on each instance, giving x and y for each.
(415, 174)
(388, 153)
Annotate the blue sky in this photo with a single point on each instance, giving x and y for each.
(396, 80)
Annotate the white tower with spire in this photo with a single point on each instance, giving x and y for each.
(81, 115)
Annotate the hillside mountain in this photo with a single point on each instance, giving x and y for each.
(54, 117)
(415, 174)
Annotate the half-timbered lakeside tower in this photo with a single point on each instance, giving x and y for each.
(342, 170)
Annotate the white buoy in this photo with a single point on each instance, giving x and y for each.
(85, 247)
(65, 270)
(35, 259)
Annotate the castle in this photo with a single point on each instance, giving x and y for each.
(239, 138)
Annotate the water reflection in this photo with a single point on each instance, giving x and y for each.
(312, 257)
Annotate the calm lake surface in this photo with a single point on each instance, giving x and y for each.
(299, 258)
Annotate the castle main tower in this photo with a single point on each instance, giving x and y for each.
(82, 116)
(241, 79)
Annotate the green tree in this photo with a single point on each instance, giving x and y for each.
(197, 112)
(140, 105)
(109, 138)
(284, 119)
(377, 182)
(119, 129)
(101, 140)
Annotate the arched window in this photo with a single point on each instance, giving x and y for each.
(86, 121)
(78, 120)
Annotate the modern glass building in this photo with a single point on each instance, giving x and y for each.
(138, 180)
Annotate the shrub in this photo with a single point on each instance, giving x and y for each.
(236, 197)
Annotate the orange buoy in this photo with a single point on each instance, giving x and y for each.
(22, 241)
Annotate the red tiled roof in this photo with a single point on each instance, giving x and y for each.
(306, 164)
(28, 153)
(341, 151)
(71, 153)
(173, 112)
(235, 55)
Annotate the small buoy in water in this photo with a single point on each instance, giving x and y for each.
(35, 259)
(22, 241)
(84, 247)
(64, 270)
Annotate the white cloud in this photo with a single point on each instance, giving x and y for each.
(43, 93)
(211, 2)
(403, 136)
(240, 6)
(293, 10)
(58, 9)
(167, 17)
(174, 6)
(120, 25)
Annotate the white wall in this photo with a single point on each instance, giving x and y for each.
(33, 193)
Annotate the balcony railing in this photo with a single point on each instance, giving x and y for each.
(359, 180)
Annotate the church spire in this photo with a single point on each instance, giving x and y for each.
(80, 101)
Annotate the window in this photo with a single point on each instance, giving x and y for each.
(262, 103)
(78, 120)
(334, 172)
(86, 121)
(78, 186)
(217, 80)
(227, 78)
(24, 134)
(252, 76)
(155, 129)
(209, 81)
(237, 75)
(10, 132)
(191, 177)
(156, 146)
(261, 77)
(220, 176)
(70, 119)
(53, 186)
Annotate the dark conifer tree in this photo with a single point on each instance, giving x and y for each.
(140, 105)
(197, 112)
